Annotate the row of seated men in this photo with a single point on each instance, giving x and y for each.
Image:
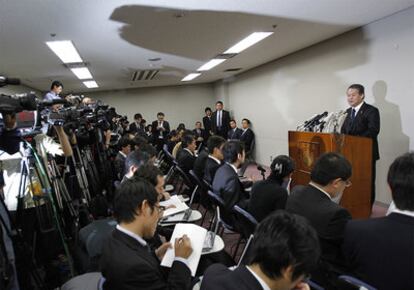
(343, 248)
(357, 247)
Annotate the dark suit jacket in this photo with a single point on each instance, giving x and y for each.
(156, 132)
(366, 124)
(119, 165)
(210, 170)
(266, 197)
(225, 123)
(234, 134)
(247, 137)
(381, 251)
(328, 218)
(133, 128)
(219, 277)
(200, 164)
(185, 160)
(226, 183)
(126, 264)
(202, 134)
(207, 124)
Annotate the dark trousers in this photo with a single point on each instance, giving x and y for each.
(159, 143)
(373, 176)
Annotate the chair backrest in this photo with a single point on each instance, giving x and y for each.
(217, 200)
(356, 282)
(245, 222)
(244, 255)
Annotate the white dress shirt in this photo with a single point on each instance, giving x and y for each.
(260, 280)
(214, 158)
(357, 108)
(317, 187)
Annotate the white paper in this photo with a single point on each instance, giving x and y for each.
(197, 236)
(179, 206)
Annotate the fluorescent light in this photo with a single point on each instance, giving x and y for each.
(210, 64)
(82, 73)
(90, 84)
(253, 38)
(65, 50)
(190, 77)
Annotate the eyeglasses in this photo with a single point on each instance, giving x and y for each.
(159, 208)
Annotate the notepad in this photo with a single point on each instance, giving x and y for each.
(197, 236)
(179, 206)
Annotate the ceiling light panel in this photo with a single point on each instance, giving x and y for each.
(190, 77)
(82, 73)
(250, 40)
(210, 64)
(90, 84)
(65, 50)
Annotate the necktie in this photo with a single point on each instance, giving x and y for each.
(219, 119)
(353, 113)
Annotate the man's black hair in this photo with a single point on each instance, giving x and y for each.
(56, 84)
(124, 142)
(150, 173)
(149, 150)
(137, 116)
(358, 87)
(214, 141)
(135, 158)
(207, 109)
(247, 120)
(281, 240)
(281, 167)
(219, 102)
(329, 167)
(130, 195)
(401, 181)
(160, 114)
(186, 140)
(231, 150)
(139, 141)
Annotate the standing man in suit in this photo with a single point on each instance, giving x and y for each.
(215, 157)
(376, 248)
(124, 149)
(160, 131)
(234, 133)
(247, 136)
(137, 127)
(226, 182)
(127, 261)
(363, 120)
(319, 203)
(207, 121)
(220, 120)
(284, 250)
(186, 156)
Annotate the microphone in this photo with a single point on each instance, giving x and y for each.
(316, 119)
(260, 168)
(8, 81)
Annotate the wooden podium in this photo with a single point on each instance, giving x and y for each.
(306, 147)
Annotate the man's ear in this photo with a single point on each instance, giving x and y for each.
(143, 208)
(336, 182)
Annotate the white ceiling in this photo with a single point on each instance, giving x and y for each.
(118, 37)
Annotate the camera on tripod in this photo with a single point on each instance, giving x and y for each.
(18, 103)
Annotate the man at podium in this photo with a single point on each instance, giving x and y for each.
(363, 120)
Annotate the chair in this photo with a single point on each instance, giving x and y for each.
(356, 282)
(88, 281)
(204, 200)
(245, 223)
(187, 181)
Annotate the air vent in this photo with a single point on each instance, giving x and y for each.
(143, 75)
(233, 69)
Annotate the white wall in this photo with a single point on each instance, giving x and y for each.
(180, 104)
(280, 95)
